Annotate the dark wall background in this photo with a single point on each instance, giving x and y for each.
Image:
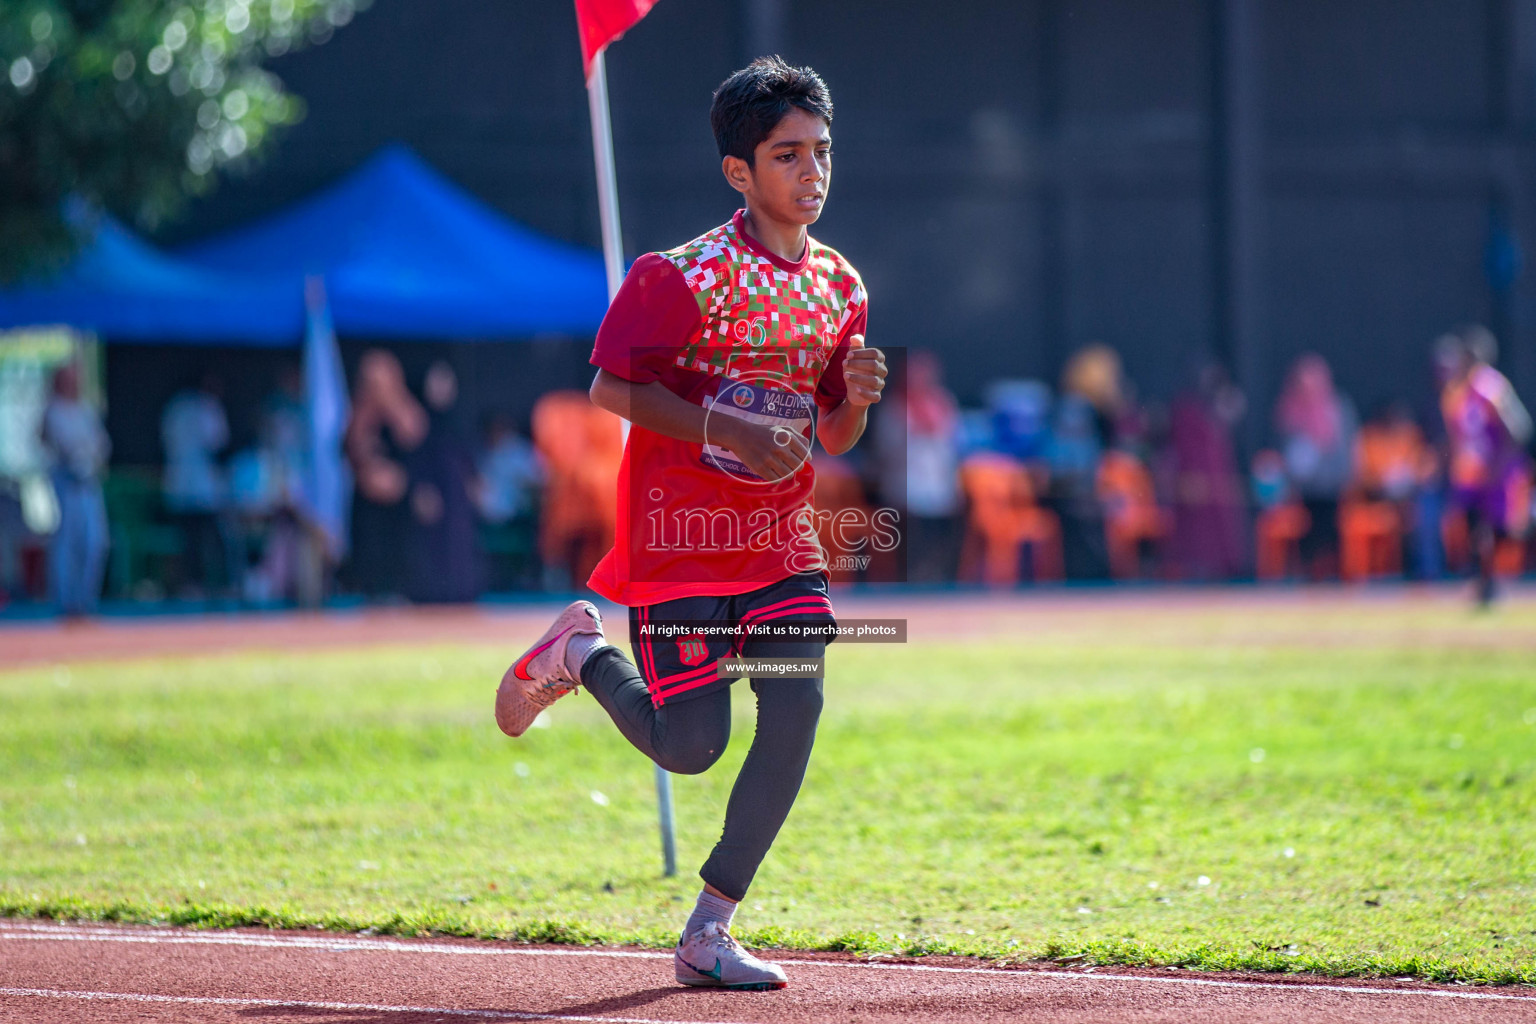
(1245, 179)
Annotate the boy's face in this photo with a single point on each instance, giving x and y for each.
(792, 169)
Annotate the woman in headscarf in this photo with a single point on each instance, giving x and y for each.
(1209, 540)
(387, 423)
(440, 552)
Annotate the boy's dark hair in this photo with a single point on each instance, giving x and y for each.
(752, 102)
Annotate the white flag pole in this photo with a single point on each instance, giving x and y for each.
(613, 260)
(607, 176)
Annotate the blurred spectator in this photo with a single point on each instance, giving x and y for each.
(977, 432)
(1281, 521)
(1200, 470)
(440, 550)
(1267, 479)
(255, 489)
(77, 447)
(1095, 375)
(1490, 474)
(1430, 514)
(1392, 460)
(300, 552)
(1134, 523)
(387, 423)
(1020, 420)
(193, 430)
(1317, 427)
(285, 417)
(1394, 465)
(509, 473)
(1136, 426)
(1091, 402)
(267, 487)
(1075, 448)
(582, 447)
(927, 419)
(511, 476)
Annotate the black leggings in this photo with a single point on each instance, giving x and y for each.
(688, 737)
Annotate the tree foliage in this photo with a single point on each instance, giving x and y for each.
(135, 106)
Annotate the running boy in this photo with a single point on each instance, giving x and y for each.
(714, 351)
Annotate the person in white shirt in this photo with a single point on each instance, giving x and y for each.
(194, 430)
(77, 446)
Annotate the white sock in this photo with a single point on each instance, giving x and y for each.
(709, 908)
(581, 647)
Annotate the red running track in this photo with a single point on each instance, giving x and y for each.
(51, 974)
(1156, 615)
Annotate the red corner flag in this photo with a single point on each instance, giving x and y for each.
(600, 22)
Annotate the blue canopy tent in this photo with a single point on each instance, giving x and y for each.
(407, 254)
(125, 290)
(393, 251)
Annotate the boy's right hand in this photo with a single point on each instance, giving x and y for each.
(773, 453)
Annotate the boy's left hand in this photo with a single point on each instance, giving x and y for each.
(863, 372)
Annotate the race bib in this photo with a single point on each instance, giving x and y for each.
(771, 407)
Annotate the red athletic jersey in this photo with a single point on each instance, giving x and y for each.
(705, 319)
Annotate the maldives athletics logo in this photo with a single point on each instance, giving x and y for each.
(692, 650)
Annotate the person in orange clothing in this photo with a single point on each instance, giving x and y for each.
(582, 447)
(1394, 464)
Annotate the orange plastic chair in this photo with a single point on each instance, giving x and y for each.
(1387, 453)
(582, 447)
(1370, 540)
(1131, 514)
(1508, 556)
(1002, 517)
(1279, 531)
(1371, 530)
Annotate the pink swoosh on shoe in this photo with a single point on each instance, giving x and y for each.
(522, 663)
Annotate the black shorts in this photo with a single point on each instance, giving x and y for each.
(683, 667)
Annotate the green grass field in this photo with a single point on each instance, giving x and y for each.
(1287, 790)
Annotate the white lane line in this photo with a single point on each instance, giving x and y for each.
(1207, 982)
(141, 997)
(172, 937)
(335, 945)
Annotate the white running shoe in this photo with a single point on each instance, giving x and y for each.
(711, 958)
(540, 677)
